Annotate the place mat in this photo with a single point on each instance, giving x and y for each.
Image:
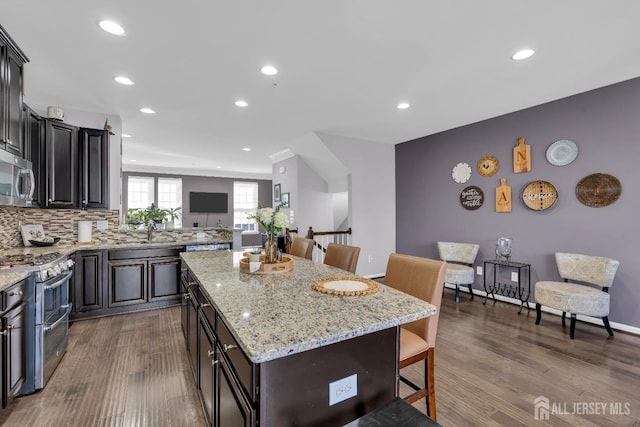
(598, 190)
(349, 286)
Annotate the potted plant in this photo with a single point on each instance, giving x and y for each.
(155, 214)
(135, 217)
(172, 214)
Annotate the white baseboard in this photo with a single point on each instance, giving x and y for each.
(594, 320)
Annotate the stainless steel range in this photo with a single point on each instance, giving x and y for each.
(48, 308)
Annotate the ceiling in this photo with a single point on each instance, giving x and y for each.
(343, 68)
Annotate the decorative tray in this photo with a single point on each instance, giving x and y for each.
(539, 195)
(285, 265)
(598, 190)
(46, 242)
(349, 286)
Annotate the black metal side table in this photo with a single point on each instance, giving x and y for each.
(512, 290)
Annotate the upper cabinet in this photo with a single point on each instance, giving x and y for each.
(76, 172)
(12, 60)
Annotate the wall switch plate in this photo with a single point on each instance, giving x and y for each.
(343, 389)
(200, 237)
(102, 225)
(479, 270)
(514, 276)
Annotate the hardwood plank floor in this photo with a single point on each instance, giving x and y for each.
(127, 370)
(491, 363)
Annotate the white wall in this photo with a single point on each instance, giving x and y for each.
(371, 198)
(96, 121)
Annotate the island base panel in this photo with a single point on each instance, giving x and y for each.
(294, 390)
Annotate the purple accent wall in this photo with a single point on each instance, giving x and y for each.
(605, 125)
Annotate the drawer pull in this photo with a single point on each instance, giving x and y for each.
(186, 296)
(227, 347)
(16, 293)
(205, 305)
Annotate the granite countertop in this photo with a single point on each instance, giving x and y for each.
(9, 278)
(275, 315)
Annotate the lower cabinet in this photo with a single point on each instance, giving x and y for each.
(225, 400)
(123, 280)
(12, 340)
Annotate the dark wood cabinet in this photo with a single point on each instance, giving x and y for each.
(12, 342)
(12, 60)
(34, 150)
(127, 282)
(88, 282)
(61, 165)
(76, 167)
(207, 361)
(164, 276)
(93, 168)
(144, 276)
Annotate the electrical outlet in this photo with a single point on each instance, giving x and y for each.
(102, 225)
(514, 276)
(370, 258)
(343, 389)
(479, 270)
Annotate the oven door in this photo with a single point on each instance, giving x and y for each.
(54, 294)
(51, 344)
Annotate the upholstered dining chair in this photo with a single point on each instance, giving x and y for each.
(577, 298)
(422, 278)
(301, 247)
(342, 256)
(460, 258)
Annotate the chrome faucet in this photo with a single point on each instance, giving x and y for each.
(150, 227)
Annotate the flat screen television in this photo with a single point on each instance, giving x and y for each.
(208, 202)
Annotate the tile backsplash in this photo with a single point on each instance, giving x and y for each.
(61, 223)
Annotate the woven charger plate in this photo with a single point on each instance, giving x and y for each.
(539, 195)
(598, 190)
(350, 286)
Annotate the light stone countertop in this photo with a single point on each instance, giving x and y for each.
(272, 316)
(9, 278)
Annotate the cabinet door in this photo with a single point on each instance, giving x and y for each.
(233, 409)
(207, 362)
(164, 279)
(34, 150)
(14, 340)
(94, 168)
(14, 105)
(88, 288)
(127, 282)
(184, 308)
(61, 141)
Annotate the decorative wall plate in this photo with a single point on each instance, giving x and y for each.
(461, 173)
(539, 195)
(488, 165)
(598, 190)
(562, 152)
(471, 198)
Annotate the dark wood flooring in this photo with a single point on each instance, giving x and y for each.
(491, 364)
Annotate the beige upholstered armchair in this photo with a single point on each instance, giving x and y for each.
(460, 258)
(577, 298)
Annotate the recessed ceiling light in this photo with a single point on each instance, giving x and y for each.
(124, 80)
(147, 110)
(112, 28)
(126, 135)
(132, 160)
(269, 70)
(241, 103)
(403, 106)
(522, 54)
(219, 167)
(246, 149)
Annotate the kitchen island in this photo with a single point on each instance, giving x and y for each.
(269, 350)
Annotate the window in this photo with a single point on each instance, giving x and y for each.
(140, 191)
(245, 202)
(166, 193)
(170, 196)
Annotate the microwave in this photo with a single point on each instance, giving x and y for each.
(17, 181)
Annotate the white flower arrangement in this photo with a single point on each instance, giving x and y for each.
(271, 219)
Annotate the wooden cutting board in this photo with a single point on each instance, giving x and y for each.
(503, 196)
(521, 157)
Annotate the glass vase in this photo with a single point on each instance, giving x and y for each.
(271, 249)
